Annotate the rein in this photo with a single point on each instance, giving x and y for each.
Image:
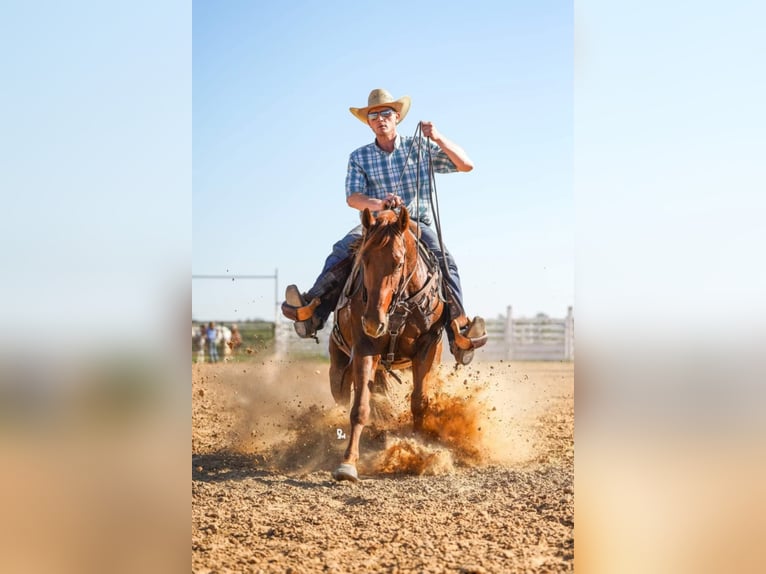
(397, 320)
(432, 195)
(403, 282)
(401, 308)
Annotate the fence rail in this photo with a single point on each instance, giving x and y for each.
(539, 338)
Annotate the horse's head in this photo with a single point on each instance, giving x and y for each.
(383, 256)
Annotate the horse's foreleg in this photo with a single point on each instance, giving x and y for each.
(339, 375)
(364, 371)
(422, 366)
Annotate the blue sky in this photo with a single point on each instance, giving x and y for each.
(652, 211)
(271, 88)
(670, 172)
(95, 170)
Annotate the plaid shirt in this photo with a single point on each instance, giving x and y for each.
(376, 173)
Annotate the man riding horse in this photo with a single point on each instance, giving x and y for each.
(384, 175)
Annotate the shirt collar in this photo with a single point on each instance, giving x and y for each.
(397, 143)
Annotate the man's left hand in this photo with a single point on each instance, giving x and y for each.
(429, 130)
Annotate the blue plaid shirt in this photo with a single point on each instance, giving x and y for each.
(376, 173)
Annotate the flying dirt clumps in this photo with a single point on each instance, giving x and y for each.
(282, 414)
(409, 456)
(454, 433)
(456, 422)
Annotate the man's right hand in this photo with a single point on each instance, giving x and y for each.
(392, 201)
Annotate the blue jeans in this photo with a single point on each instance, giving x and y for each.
(341, 251)
(212, 351)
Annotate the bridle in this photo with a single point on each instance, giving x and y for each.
(404, 279)
(403, 305)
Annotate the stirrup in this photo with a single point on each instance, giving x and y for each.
(307, 329)
(472, 336)
(461, 357)
(468, 339)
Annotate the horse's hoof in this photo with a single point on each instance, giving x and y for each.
(346, 472)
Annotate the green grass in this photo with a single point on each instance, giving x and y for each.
(257, 336)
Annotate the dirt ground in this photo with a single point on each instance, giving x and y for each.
(490, 490)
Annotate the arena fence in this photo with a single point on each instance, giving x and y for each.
(539, 338)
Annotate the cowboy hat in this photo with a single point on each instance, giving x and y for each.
(380, 97)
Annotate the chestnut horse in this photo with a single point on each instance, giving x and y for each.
(389, 317)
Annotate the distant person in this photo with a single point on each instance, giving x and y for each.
(236, 339)
(224, 341)
(198, 343)
(376, 179)
(212, 341)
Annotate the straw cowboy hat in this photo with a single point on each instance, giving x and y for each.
(380, 97)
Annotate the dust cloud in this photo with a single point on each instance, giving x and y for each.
(282, 414)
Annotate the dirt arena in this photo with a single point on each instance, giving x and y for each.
(491, 490)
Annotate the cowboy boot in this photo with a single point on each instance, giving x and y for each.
(310, 312)
(464, 335)
(295, 308)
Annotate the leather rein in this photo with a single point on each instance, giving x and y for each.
(420, 301)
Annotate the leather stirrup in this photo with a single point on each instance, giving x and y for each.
(474, 337)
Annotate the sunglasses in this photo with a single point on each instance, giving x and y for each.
(382, 113)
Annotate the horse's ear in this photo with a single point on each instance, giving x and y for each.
(367, 218)
(404, 219)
